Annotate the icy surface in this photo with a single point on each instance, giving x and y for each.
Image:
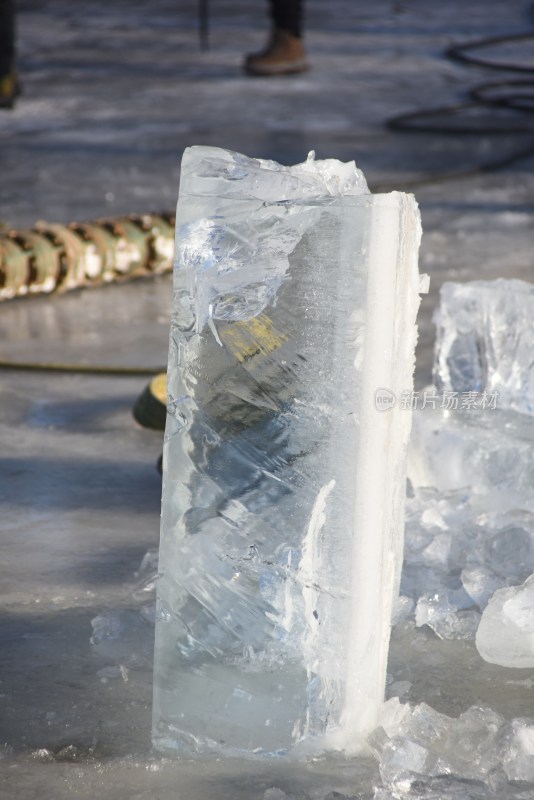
(295, 299)
(80, 494)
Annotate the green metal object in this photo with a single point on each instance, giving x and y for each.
(56, 258)
(14, 268)
(44, 260)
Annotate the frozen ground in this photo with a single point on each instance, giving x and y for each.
(113, 92)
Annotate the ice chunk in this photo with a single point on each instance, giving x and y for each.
(446, 619)
(218, 174)
(275, 794)
(418, 742)
(393, 716)
(518, 750)
(472, 746)
(402, 609)
(488, 453)
(505, 635)
(480, 583)
(149, 564)
(403, 760)
(124, 637)
(295, 299)
(407, 744)
(484, 371)
(469, 472)
(147, 576)
(441, 539)
(111, 672)
(107, 626)
(427, 726)
(484, 340)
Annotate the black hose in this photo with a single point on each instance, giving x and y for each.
(86, 369)
(516, 94)
(421, 121)
(462, 52)
(508, 103)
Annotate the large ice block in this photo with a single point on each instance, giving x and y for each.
(295, 298)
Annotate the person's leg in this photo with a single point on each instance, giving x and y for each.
(284, 54)
(8, 81)
(287, 16)
(7, 36)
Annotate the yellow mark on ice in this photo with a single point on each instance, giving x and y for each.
(256, 336)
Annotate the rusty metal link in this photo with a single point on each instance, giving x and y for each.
(56, 258)
(14, 268)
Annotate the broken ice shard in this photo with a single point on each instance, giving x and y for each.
(484, 341)
(505, 635)
(485, 371)
(293, 332)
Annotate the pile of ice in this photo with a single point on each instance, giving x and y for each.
(470, 513)
(416, 746)
(469, 551)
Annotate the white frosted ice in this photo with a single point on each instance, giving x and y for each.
(506, 632)
(295, 296)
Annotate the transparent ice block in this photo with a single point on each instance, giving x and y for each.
(295, 297)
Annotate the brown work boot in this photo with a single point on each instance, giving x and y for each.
(284, 55)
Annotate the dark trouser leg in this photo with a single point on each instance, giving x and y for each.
(7, 36)
(287, 15)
